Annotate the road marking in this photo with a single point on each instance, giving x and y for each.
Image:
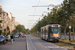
(32, 43)
(27, 45)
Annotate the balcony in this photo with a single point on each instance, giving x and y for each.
(0, 18)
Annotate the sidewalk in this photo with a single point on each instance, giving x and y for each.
(19, 44)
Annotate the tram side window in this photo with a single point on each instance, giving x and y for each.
(46, 31)
(42, 31)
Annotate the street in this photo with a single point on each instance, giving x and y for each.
(19, 44)
(34, 43)
(31, 43)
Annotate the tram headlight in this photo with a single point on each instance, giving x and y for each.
(57, 37)
(53, 37)
(52, 25)
(58, 25)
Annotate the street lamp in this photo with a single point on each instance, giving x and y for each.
(68, 3)
(73, 17)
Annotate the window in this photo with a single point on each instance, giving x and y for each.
(55, 30)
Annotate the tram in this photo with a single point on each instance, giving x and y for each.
(51, 32)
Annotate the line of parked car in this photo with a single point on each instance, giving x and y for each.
(18, 35)
(2, 38)
(23, 35)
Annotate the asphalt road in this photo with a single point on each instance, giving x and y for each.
(19, 44)
(34, 43)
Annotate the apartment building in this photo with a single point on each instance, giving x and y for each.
(6, 20)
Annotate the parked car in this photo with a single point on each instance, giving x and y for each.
(2, 39)
(17, 35)
(4, 35)
(23, 35)
(13, 37)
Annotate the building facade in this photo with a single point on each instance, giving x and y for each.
(8, 21)
(17, 23)
(0, 19)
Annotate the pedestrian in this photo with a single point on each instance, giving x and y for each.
(9, 38)
(12, 38)
(6, 40)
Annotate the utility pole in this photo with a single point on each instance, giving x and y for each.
(73, 24)
(69, 22)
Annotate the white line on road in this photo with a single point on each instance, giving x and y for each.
(32, 43)
(27, 45)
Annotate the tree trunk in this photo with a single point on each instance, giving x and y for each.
(73, 31)
(65, 32)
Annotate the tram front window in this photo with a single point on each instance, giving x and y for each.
(55, 30)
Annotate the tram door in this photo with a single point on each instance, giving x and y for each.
(49, 28)
(49, 32)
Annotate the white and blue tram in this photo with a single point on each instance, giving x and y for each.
(51, 32)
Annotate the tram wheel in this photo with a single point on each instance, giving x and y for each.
(42, 38)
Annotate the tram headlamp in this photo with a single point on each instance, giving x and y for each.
(53, 37)
(52, 25)
(57, 37)
(58, 25)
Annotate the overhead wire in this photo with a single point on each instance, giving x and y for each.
(36, 7)
(35, 10)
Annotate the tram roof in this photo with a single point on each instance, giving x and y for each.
(50, 25)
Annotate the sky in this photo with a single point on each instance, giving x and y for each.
(22, 10)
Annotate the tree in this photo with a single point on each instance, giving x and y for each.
(69, 8)
(20, 28)
(73, 23)
(14, 31)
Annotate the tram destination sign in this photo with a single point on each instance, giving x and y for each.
(55, 25)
